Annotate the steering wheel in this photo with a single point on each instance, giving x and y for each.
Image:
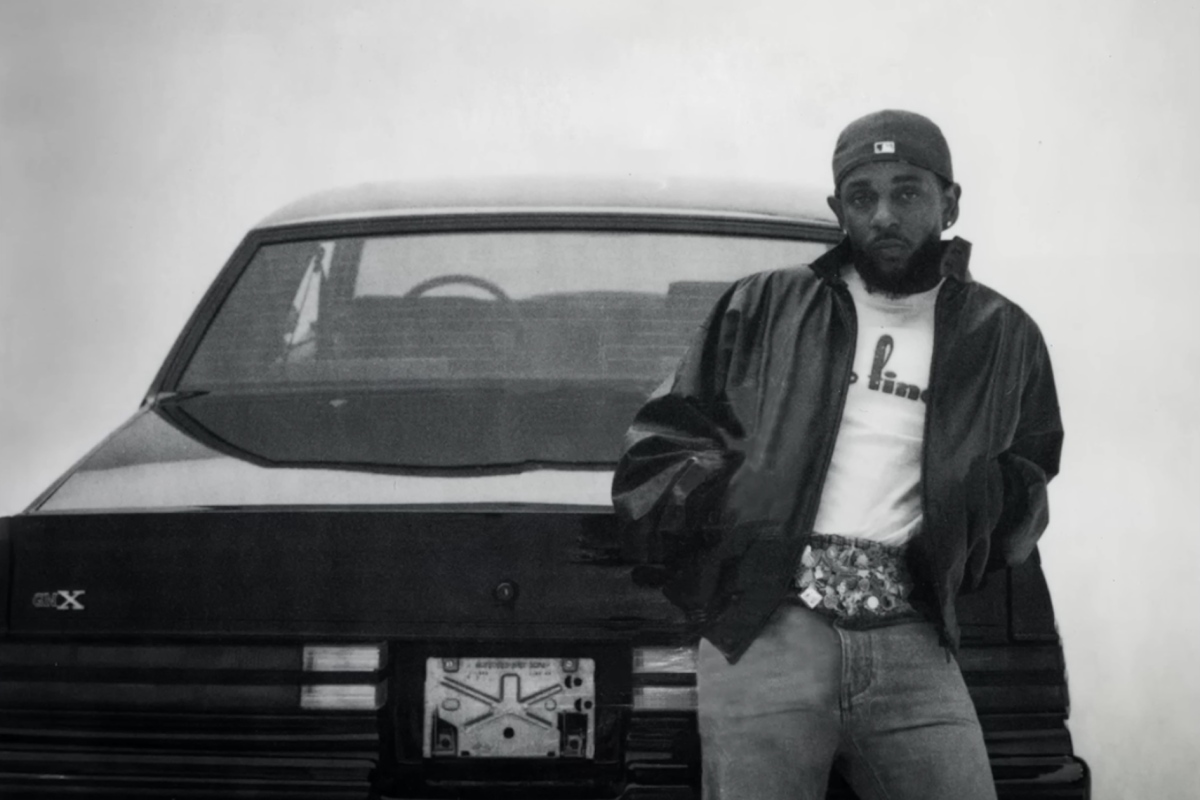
(505, 302)
(446, 280)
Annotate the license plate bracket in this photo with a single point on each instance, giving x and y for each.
(486, 707)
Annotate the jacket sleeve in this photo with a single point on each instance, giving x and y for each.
(1031, 460)
(678, 455)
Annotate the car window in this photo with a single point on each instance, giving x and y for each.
(456, 351)
(463, 307)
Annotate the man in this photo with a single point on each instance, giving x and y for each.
(846, 448)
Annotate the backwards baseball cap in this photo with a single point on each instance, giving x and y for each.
(892, 136)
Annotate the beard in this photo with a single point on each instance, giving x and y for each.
(920, 273)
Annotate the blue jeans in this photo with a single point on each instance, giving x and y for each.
(887, 706)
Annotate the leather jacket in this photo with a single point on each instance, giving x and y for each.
(724, 465)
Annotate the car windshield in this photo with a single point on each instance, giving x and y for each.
(484, 347)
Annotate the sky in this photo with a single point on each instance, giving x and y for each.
(139, 141)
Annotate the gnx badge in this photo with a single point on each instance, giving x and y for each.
(62, 600)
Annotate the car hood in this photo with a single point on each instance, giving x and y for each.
(253, 454)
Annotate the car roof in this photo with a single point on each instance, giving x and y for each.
(640, 196)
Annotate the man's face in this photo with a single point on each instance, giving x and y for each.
(894, 215)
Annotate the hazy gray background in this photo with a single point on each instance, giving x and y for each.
(140, 139)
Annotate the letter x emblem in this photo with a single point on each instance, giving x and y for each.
(69, 601)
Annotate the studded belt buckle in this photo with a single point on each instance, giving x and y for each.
(853, 578)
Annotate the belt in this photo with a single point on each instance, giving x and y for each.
(856, 581)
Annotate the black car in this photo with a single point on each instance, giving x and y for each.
(357, 541)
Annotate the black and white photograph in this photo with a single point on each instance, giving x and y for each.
(599, 399)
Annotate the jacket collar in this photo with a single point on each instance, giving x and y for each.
(956, 253)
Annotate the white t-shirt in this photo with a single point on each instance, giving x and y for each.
(873, 488)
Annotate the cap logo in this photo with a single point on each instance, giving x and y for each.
(885, 147)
